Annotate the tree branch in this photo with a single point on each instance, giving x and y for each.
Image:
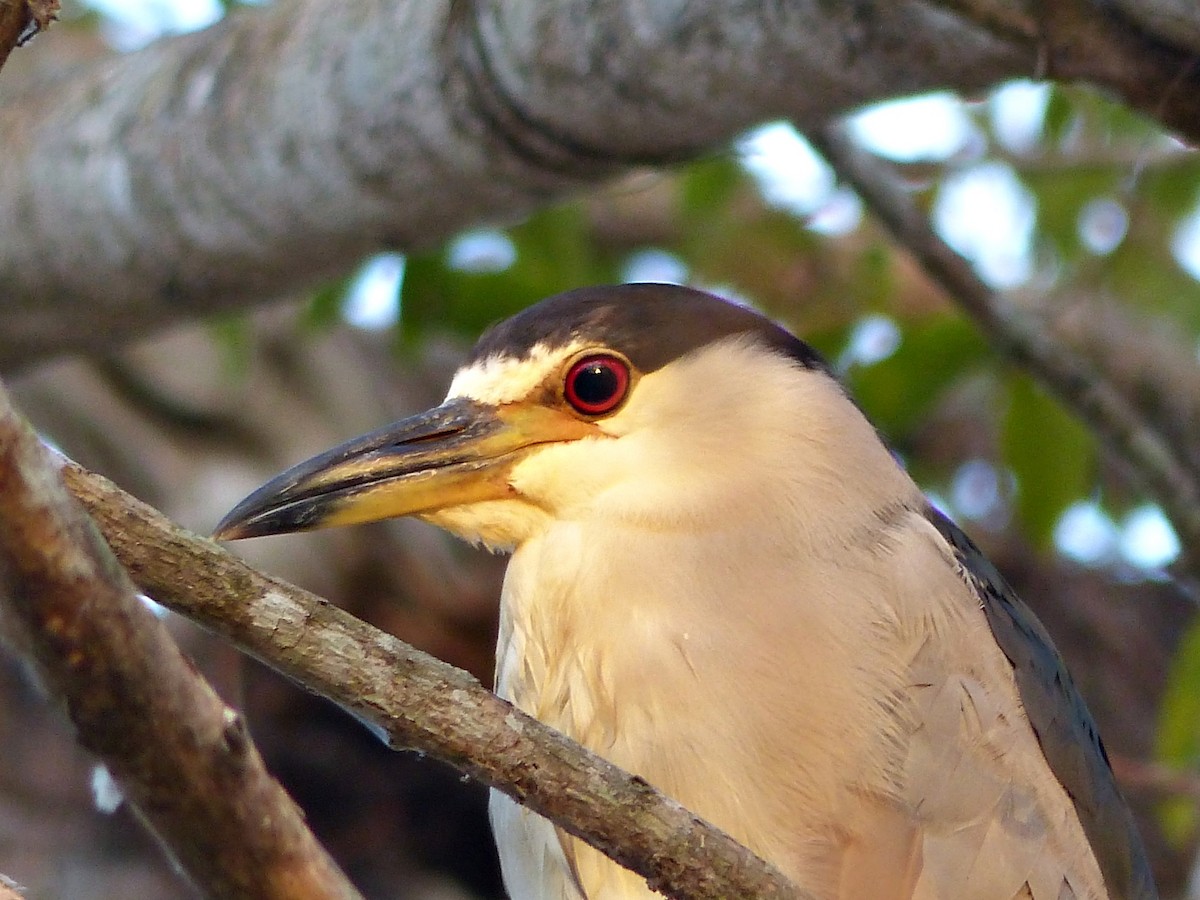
(20, 20)
(1109, 43)
(1160, 466)
(273, 151)
(183, 759)
(422, 703)
(1154, 779)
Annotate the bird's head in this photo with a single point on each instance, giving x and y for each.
(643, 401)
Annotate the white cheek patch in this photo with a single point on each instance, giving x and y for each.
(502, 379)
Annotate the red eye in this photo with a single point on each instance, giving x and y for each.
(597, 384)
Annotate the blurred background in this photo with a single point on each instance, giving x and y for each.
(1084, 214)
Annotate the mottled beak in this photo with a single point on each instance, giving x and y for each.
(459, 453)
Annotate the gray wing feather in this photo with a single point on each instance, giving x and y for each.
(1063, 725)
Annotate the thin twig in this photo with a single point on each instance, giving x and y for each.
(422, 703)
(1161, 468)
(1154, 779)
(182, 758)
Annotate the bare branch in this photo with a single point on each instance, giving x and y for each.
(20, 20)
(14, 17)
(1155, 779)
(1109, 44)
(1121, 426)
(220, 169)
(419, 702)
(182, 758)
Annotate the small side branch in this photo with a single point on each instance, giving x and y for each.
(419, 702)
(20, 20)
(1155, 780)
(182, 758)
(1132, 436)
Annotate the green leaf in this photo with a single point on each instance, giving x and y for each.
(233, 337)
(1172, 189)
(1178, 739)
(1051, 454)
(934, 353)
(554, 252)
(1061, 195)
(708, 187)
(1060, 115)
(324, 309)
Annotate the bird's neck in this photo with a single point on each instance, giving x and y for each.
(669, 652)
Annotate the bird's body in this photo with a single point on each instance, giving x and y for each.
(764, 626)
(723, 582)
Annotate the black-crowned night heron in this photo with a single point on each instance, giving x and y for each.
(722, 581)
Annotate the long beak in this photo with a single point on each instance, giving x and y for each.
(458, 453)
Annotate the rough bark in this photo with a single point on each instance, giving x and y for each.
(182, 758)
(216, 170)
(270, 152)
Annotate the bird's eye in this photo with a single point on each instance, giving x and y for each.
(597, 384)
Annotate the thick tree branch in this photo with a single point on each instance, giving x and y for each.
(221, 169)
(217, 170)
(1110, 44)
(422, 703)
(1175, 19)
(183, 759)
(1121, 426)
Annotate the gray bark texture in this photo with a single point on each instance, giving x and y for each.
(271, 152)
(268, 153)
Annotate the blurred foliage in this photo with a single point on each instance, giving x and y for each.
(1051, 454)
(1179, 735)
(936, 352)
(553, 250)
(325, 308)
(232, 334)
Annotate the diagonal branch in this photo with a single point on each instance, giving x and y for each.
(422, 703)
(1120, 425)
(183, 759)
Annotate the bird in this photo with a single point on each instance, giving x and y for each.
(724, 581)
